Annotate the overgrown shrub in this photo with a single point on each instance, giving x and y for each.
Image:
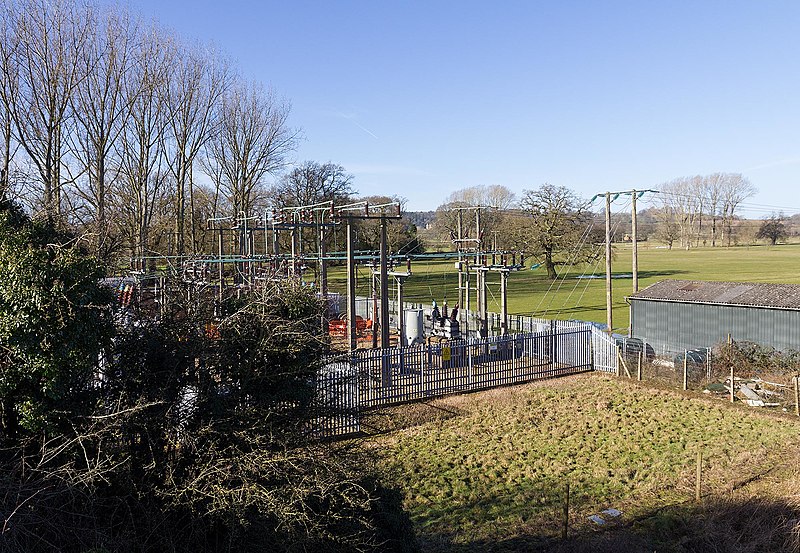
(162, 435)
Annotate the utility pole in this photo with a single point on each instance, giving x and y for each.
(344, 213)
(610, 197)
(635, 240)
(351, 288)
(384, 286)
(609, 315)
(459, 236)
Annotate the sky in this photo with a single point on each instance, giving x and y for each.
(420, 99)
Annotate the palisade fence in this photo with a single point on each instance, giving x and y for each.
(533, 349)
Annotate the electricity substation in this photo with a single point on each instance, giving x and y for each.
(386, 350)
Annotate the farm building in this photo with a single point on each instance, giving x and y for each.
(673, 315)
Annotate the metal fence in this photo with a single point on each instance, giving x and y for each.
(370, 378)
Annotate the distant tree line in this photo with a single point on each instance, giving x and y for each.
(700, 210)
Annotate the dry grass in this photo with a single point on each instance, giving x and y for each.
(487, 471)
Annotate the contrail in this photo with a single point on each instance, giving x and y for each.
(351, 118)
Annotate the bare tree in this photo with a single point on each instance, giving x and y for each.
(679, 199)
(141, 191)
(714, 186)
(558, 228)
(736, 190)
(196, 85)
(496, 197)
(100, 106)
(252, 140)
(313, 182)
(8, 84)
(51, 37)
(667, 228)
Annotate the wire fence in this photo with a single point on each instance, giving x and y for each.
(723, 371)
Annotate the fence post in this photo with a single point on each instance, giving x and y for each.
(698, 480)
(565, 528)
(685, 370)
(797, 395)
(469, 363)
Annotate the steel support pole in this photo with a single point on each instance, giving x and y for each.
(504, 302)
(351, 287)
(401, 339)
(221, 267)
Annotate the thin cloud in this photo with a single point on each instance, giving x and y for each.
(378, 169)
(787, 161)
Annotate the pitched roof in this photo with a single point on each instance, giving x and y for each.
(755, 294)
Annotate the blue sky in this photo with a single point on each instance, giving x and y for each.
(420, 99)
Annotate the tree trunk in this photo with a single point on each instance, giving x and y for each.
(549, 265)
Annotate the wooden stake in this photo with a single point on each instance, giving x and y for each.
(639, 367)
(733, 397)
(698, 481)
(624, 365)
(797, 395)
(565, 528)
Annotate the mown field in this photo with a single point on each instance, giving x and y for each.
(531, 293)
(487, 471)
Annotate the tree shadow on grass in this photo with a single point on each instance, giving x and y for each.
(720, 526)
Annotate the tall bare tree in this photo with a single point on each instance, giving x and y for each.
(141, 183)
(496, 198)
(252, 139)
(714, 186)
(312, 182)
(8, 82)
(688, 199)
(100, 106)
(558, 228)
(736, 190)
(51, 37)
(196, 84)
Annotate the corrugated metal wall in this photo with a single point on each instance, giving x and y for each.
(671, 327)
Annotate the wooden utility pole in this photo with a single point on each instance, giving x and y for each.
(608, 196)
(609, 316)
(384, 286)
(635, 241)
(459, 236)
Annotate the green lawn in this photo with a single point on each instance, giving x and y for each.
(571, 298)
(490, 468)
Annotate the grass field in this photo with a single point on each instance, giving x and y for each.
(486, 471)
(530, 292)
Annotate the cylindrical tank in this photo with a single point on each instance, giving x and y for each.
(414, 327)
